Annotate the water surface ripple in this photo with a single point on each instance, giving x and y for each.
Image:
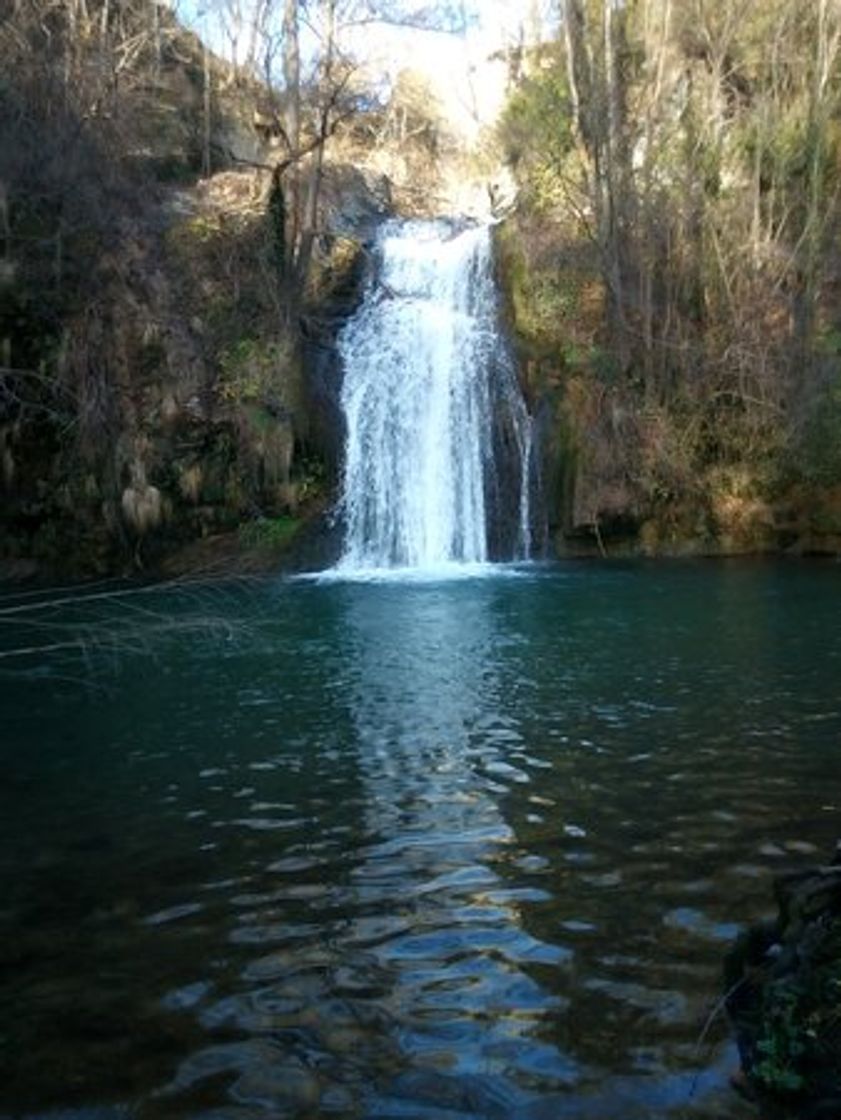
(446, 849)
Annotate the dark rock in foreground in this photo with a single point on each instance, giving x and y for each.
(784, 998)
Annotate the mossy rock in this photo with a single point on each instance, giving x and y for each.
(337, 272)
(269, 534)
(784, 999)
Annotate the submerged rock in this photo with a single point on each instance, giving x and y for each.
(784, 998)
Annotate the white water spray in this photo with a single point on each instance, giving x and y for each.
(431, 405)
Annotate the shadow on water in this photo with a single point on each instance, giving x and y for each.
(454, 849)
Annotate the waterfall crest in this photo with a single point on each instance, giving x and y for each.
(438, 440)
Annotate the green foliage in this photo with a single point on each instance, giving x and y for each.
(799, 1017)
(590, 359)
(269, 534)
(310, 476)
(544, 300)
(547, 303)
(186, 235)
(253, 369)
(829, 342)
(784, 1041)
(816, 457)
(535, 132)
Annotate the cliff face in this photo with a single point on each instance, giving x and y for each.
(624, 475)
(179, 408)
(152, 391)
(175, 406)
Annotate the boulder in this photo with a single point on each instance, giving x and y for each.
(783, 998)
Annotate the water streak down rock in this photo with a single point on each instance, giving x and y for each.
(438, 444)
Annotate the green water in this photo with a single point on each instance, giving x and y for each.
(460, 849)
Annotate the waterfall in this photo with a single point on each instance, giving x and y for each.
(438, 439)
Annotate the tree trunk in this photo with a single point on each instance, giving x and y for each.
(206, 113)
(613, 193)
(292, 128)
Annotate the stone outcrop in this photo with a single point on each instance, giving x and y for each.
(784, 999)
(181, 410)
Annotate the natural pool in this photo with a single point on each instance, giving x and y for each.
(467, 848)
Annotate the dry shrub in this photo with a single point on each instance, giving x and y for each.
(142, 509)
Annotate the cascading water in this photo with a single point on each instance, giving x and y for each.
(438, 445)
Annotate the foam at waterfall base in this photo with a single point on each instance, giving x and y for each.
(446, 572)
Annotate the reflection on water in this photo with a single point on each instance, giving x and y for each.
(464, 849)
(431, 741)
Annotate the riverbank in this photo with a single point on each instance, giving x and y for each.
(315, 546)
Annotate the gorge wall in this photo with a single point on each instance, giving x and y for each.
(154, 393)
